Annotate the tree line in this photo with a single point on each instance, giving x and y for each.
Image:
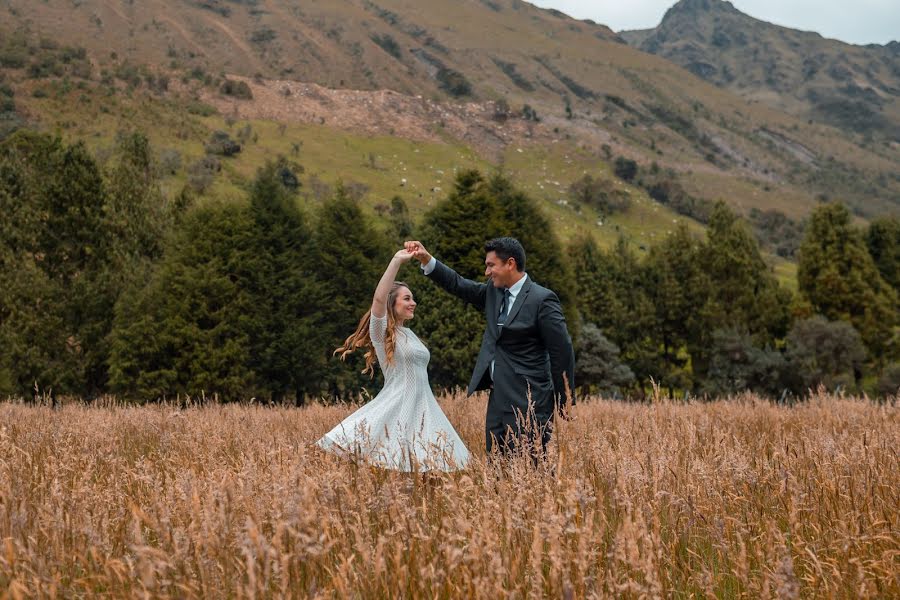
(109, 286)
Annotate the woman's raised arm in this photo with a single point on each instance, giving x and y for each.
(379, 301)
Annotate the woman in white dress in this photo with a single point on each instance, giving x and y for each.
(403, 427)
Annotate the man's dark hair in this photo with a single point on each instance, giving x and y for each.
(506, 248)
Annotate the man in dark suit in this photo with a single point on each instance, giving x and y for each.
(526, 356)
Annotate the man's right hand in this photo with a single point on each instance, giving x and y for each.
(418, 251)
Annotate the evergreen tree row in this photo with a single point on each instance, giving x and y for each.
(106, 286)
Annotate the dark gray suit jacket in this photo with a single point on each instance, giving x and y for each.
(532, 351)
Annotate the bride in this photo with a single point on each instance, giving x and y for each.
(403, 427)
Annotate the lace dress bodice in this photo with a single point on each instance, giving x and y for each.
(408, 371)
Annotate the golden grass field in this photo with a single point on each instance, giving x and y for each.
(726, 499)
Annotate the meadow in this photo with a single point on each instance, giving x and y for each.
(729, 499)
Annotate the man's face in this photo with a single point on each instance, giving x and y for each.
(500, 272)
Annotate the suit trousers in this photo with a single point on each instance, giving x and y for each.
(508, 430)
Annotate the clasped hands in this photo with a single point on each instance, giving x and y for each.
(413, 249)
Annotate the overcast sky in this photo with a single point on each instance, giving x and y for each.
(857, 22)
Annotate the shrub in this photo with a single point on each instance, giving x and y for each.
(453, 82)
(599, 366)
(889, 382)
(737, 365)
(777, 231)
(237, 89)
(263, 35)
(129, 73)
(529, 114)
(287, 174)
(509, 69)
(387, 43)
(823, 352)
(169, 161)
(45, 65)
(600, 194)
(625, 168)
(202, 173)
(665, 188)
(195, 107)
(13, 56)
(220, 143)
(501, 110)
(7, 104)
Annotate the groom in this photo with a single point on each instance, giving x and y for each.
(526, 356)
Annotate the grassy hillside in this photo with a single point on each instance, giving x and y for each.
(373, 94)
(488, 50)
(377, 165)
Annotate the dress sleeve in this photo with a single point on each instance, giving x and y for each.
(377, 330)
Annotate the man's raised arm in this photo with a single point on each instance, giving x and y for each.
(470, 291)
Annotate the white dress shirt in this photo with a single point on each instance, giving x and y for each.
(514, 290)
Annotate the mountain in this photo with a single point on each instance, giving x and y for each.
(381, 92)
(403, 45)
(855, 88)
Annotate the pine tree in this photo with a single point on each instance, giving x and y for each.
(277, 271)
(349, 256)
(883, 241)
(458, 227)
(137, 209)
(57, 297)
(678, 289)
(612, 293)
(838, 277)
(185, 332)
(744, 295)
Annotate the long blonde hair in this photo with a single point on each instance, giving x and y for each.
(362, 339)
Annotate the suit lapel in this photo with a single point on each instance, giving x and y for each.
(520, 300)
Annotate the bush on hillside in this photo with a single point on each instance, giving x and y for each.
(665, 188)
(529, 113)
(202, 173)
(777, 231)
(237, 89)
(625, 168)
(601, 194)
(221, 144)
(453, 82)
(387, 43)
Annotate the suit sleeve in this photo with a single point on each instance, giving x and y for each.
(555, 335)
(470, 291)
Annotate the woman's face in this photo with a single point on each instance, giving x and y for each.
(404, 305)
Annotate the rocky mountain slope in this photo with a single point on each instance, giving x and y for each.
(856, 88)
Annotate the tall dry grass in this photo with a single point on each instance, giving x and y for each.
(728, 499)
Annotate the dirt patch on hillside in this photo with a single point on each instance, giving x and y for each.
(381, 112)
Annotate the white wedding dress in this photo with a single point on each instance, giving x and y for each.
(403, 427)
